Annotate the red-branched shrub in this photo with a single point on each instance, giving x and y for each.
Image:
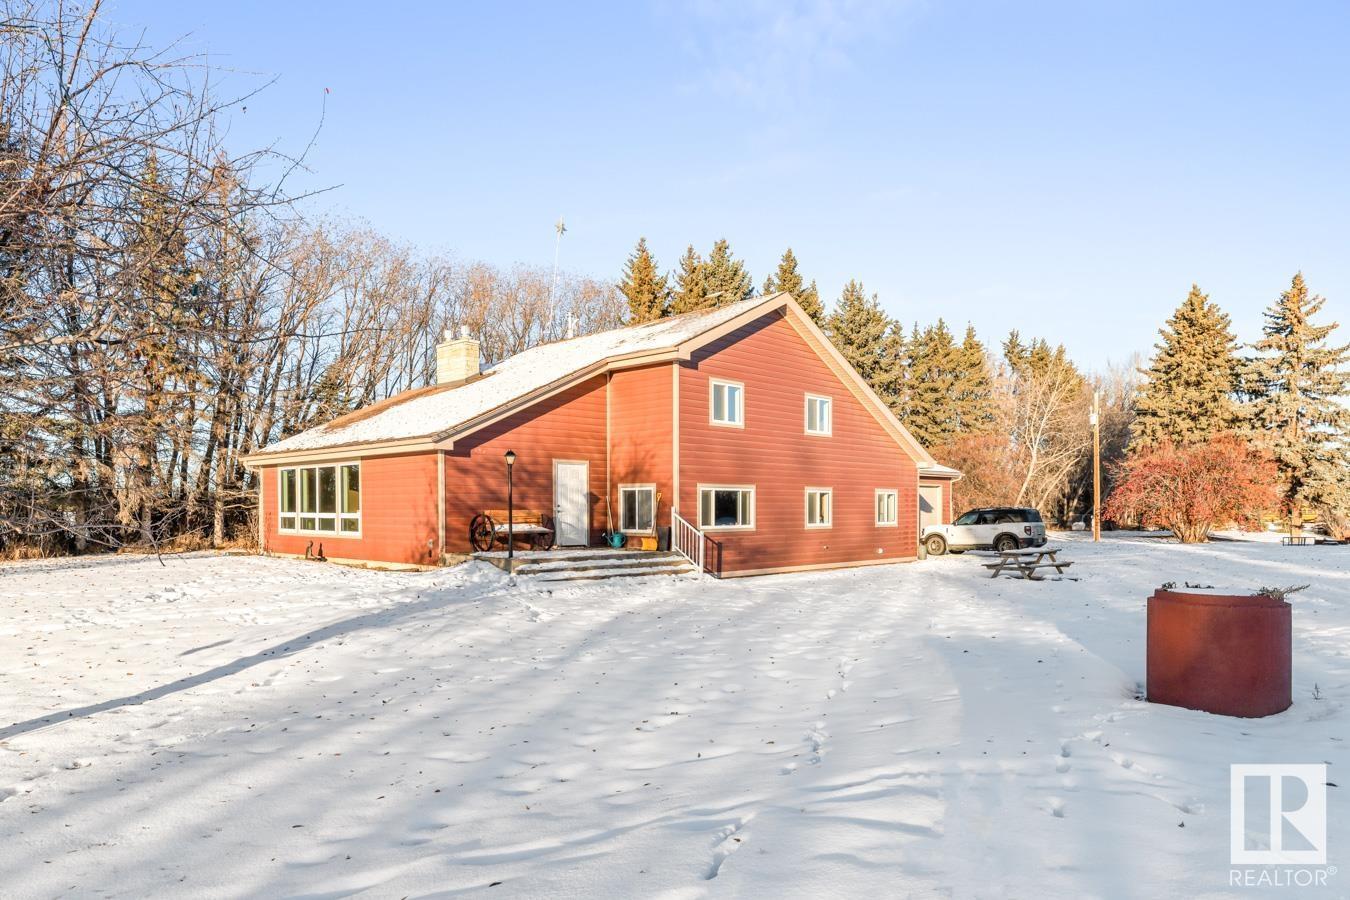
(1194, 489)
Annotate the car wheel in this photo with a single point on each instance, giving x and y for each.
(935, 545)
(1006, 543)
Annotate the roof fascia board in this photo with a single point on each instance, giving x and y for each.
(340, 451)
(829, 354)
(772, 302)
(446, 439)
(824, 347)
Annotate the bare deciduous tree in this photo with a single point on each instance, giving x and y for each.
(163, 311)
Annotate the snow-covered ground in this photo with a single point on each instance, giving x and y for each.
(236, 726)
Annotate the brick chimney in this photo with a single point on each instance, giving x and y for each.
(457, 358)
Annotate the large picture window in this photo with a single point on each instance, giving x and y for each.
(320, 499)
(637, 508)
(726, 507)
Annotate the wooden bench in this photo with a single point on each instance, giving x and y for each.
(523, 521)
(491, 526)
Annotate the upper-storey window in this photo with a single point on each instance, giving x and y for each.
(817, 414)
(727, 403)
(320, 499)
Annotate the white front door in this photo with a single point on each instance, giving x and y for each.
(930, 505)
(571, 503)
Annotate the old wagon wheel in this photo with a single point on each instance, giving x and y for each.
(482, 533)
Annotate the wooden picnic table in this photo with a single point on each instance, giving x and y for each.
(1025, 562)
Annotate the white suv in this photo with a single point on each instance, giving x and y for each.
(990, 528)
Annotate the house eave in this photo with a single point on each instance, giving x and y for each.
(349, 450)
(681, 352)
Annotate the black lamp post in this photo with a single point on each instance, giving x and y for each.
(510, 510)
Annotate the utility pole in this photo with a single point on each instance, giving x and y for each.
(1096, 419)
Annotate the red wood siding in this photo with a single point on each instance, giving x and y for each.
(772, 452)
(641, 416)
(398, 513)
(568, 426)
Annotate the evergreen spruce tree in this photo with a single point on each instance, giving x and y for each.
(893, 385)
(725, 277)
(974, 389)
(644, 287)
(1300, 387)
(866, 337)
(787, 278)
(930, 401)
(948, 388)
(691, 284)
(1193, 380)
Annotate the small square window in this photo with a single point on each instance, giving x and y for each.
(817, 414)
(818, 511)
(727, 403)
(637, 509)
(887, 507)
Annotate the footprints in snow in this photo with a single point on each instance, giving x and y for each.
(1095, 739)
(727, 842)
(815, 740)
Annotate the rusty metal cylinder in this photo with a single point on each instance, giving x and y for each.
(1225, 654)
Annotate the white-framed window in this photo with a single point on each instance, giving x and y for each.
(726, 506)
(637, 508)
(818, 414)
(320, 499)
(819, 507)
(888, 506)
(726, 403)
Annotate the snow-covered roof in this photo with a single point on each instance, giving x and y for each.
(431, 411)
(940, 471)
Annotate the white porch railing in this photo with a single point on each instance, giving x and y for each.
(687, 540)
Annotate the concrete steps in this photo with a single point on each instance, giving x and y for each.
(593, 565)
(612, 572)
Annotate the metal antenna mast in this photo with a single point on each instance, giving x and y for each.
(561, 228)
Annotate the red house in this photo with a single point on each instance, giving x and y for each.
(742, 423)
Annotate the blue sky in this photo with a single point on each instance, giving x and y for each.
(1063, 168)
